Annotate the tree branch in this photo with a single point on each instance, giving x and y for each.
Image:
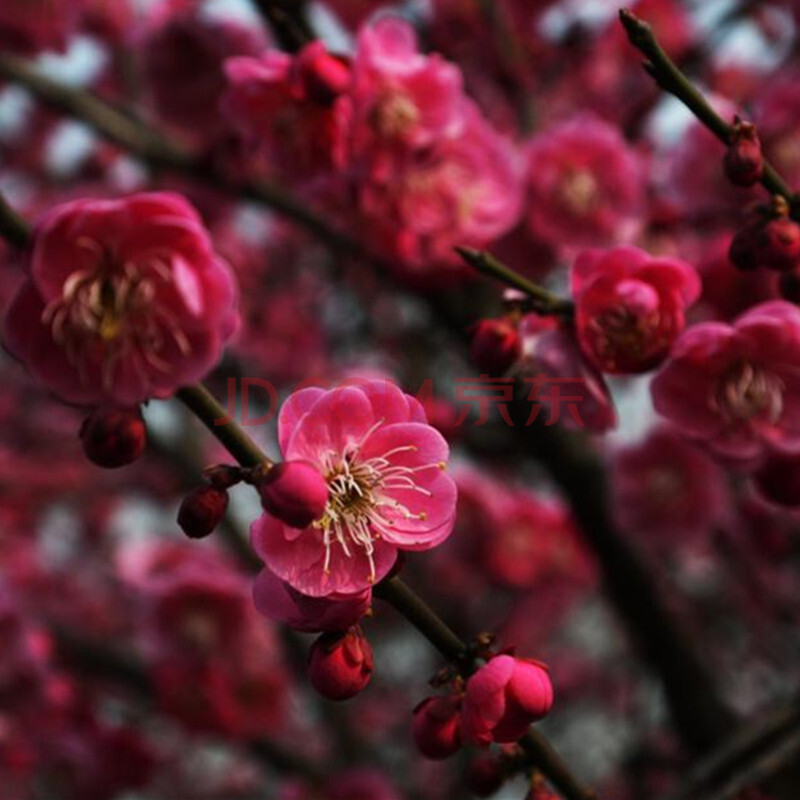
(669, 77)
(751, 756)
(160, 152)
(544, 302)
(231, 436)
(13, 228)
(288, 21)
(699, 714)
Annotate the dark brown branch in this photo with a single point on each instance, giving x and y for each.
(669, 77)
(288, 21)
(13, 228)
(160, 152)
(700, 715)
(544, 302)
(402, 598)
(756, 753)
(207, 409)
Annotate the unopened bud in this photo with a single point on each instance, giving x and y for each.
(114, 437)
(202, 510)
(436, 727)
(340, 664)
(743, 162)
(496, 345)
(779, 244)
(295, 492)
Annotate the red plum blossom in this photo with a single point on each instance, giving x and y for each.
(125, 300)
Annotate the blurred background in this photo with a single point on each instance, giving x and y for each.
(133, 663)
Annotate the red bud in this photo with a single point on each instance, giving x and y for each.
(436, 727)
(202, 510)
(340, 664)
(496, 345)
(743, 162)
(113, 437)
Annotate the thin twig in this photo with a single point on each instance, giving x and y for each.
(669, 77)
(544, 302)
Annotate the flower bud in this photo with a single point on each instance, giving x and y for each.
(202, 510)
(779, 244)
(503, 698)
(114, 437)
(743, 162)
(496, 345)
(484, 776)
(340, 664)
(295, 492)
(324, 76)
(436, 727)
(778, 479)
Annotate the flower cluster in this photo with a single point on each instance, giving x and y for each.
(394, 130)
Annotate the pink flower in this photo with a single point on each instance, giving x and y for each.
(402, 95)
(125, 300)
(737, 387)
(503, 698)
(419, 205)
(667, 488)
(388, 489)
(555, 355)
(629, 307)
(200, 612)
(292, 109)
(429, 170)
(532, 539)
(278, 601)
(586, 184)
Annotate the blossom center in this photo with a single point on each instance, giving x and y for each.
(361, 508)
(579, 192)
(395, 115)
(620, 331)
(109, 312)
(746, 392)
